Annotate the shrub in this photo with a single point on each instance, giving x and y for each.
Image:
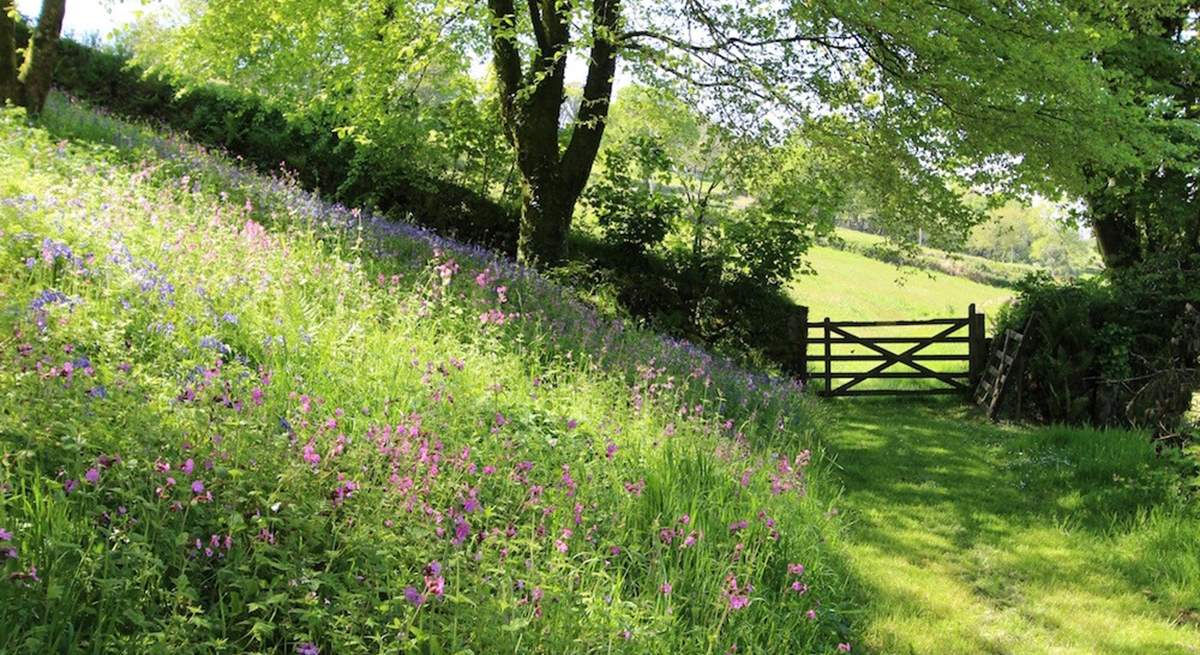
(310, 147)
(1121, 349)
(631, 212)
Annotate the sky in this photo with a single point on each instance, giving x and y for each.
(99, 17)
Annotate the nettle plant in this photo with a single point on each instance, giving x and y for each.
(236, 418)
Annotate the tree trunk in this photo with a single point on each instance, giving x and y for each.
(1117, 239)
(698, 233)
(35, 73)
(546, 211)
(530, 106)
(8, 53)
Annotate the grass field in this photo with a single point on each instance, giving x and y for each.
(235, 418)
(849, 286)
(974, 538)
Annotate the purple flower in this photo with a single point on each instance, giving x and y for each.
(70, 485)
(434, 582)
(343, 491)
(738, 525)
(738, 597)
(188, 466)
(796, 569)
(462, 530)
(5, 535)
(665, 588)
(310, 454)
(843, 647)
(307, 648)
(198, 487)
(92, 475)
(412, 596)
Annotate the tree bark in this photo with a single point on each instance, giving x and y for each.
(8, 53)
(530, 104)
(35, 74)
(1117, 239)
(546, 211)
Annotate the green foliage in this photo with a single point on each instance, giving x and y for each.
(1144, 212)
(626, 200)
(1064, 352)
(1118, 349)
(765, 250)
(912, 103)
(383, 173)
(1016, 233)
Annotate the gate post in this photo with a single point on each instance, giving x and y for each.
(977, 345)
(828, 361)
(798, 340)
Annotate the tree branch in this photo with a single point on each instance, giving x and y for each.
(507, 61)
(597, 93)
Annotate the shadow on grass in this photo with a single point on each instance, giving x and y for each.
(972, 537)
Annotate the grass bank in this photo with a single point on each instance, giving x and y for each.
(235, 418)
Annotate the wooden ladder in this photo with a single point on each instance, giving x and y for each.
(1004, 359)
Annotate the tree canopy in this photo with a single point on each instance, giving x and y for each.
(913, 101)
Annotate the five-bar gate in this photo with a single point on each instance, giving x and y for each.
(896, 354)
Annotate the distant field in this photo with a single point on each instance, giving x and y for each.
(986, 271)
(848, 286)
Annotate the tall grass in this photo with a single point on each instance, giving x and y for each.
(235, 418)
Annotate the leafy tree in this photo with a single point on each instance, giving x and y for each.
(708, 163)
(630, 208)
(916, 100)
(29, 84)
(1139, 213)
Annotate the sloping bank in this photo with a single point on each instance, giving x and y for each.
(237, 418)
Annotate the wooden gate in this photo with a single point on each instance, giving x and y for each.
(826, 341)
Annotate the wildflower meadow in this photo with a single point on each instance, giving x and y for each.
(236, 418)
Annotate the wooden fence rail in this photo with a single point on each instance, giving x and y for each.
(892, 350)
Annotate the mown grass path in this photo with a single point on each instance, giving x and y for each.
(973, 538)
